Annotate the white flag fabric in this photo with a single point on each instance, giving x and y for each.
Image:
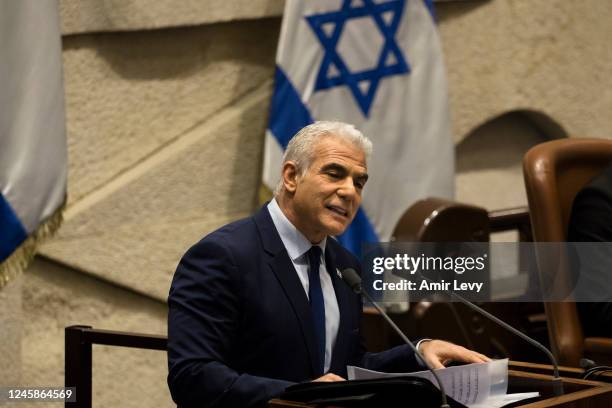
(32, 126)
(379, 66)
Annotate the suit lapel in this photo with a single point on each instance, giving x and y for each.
(282, 267)
(342, 346)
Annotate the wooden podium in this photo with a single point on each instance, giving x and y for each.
(527, 377)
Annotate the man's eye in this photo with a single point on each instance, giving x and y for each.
(360, 183)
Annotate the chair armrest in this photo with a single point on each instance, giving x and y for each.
(598, 344)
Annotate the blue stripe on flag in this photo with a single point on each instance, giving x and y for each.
(287, 112)
(430, 6)
(360, 231)
(12, 233)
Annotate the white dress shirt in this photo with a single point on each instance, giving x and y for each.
(297, 246)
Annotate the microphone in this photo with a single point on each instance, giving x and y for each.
(592, 369)
(587, 364)
(557, 381)
(353, 280)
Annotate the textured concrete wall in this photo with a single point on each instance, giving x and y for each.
(55, 297)
(165, 132)
(490, 176)
(129, 95)
(550, 56)
(83, 16)
(11, 332)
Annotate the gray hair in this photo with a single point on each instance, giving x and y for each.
(300, 149)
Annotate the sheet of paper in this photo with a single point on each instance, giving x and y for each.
(498, 401)
(474, 385)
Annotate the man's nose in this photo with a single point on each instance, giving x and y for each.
(347, 190)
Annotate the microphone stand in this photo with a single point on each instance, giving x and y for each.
(354, 282)
(557, 381)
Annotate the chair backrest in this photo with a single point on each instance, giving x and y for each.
(554, 173)
(440, 220)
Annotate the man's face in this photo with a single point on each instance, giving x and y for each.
(327, 196)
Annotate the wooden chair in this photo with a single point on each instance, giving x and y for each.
(441, 220)
(554, 173)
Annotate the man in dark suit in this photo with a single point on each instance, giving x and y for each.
(591, 221)
(259, 304)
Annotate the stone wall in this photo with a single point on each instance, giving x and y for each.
(54, 297)
(166, 107)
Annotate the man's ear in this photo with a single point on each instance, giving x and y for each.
(290, 175)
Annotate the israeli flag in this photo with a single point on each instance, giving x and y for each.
(32, 129)
(378, 65)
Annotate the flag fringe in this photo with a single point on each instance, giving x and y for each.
(265, 194)
(19, 260)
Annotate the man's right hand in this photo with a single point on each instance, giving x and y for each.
(329, 377)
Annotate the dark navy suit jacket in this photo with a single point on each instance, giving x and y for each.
(240, 328)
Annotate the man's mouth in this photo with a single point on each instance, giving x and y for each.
(338, 210)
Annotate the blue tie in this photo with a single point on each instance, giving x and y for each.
(317, 305)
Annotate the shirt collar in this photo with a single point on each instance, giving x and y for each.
(294, 241)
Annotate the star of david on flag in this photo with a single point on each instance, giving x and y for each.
(334, 71)
(378, 65)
